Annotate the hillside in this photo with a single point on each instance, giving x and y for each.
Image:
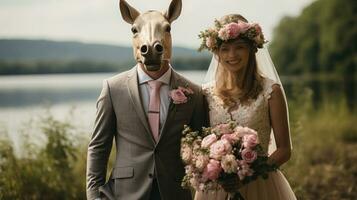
(45, 50)
(44, 56)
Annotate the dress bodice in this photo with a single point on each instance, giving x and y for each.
(253, 114)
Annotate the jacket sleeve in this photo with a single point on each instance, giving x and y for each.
(101, 143)
(200, 117)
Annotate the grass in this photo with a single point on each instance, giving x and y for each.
(324, 138)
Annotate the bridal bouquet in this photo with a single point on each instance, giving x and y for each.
(219, 152)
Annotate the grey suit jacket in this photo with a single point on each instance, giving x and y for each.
(120, 116)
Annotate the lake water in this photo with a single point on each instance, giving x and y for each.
(26, 97)
(69, 96)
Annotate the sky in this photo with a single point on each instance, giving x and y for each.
(99, 21)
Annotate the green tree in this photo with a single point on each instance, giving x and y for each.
(320, 40)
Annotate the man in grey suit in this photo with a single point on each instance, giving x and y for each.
(135, 110)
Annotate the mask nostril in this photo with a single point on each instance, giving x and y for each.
(144, 49)
(159, 48)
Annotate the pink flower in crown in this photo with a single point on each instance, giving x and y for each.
(249, 155)
(250, 140)
(233, 30)
(219, 149)
(210, 42)
(259, 39)
(257, 27)
(211, 30)
(179, 95)
(243, 26)
(223, 34)
(208, 140)
(212, 170)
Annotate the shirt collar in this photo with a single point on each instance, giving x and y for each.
(143, 77)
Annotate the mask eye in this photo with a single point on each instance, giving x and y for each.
(134, 30)
(168, 28)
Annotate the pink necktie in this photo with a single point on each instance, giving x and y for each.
(154, 108)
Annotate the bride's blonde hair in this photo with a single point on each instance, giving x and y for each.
(227, 87)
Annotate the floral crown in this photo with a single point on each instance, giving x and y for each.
(212, 38)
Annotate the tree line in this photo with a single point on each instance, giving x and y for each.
(84, 66)
(321, 40)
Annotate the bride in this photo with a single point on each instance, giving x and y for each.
(244, 86)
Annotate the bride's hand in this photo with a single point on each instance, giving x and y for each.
(231, 184)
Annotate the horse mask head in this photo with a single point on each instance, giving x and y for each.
(152, 42)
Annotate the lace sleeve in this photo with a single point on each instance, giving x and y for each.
(207, 88)
(268, 87)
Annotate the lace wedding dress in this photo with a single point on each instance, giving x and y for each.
(253, 114)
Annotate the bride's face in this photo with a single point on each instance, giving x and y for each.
(234, 55)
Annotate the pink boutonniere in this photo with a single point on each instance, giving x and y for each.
(180, 95)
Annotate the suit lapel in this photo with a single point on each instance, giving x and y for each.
(136, 99)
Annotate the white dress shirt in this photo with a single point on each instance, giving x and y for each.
(144, 90)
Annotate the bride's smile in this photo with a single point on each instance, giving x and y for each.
(233, 62)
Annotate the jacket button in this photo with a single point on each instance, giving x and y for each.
(150, 175)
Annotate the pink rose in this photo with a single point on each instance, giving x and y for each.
(249, 131)
(208, 140)
(257, 27)
(245, 172)
(178, 96)
(222, 129)
(212, 170)
(223, 34)
(241, 131)
(232, 138)
(220, 148)
(249, 155)
(210, 42)
(244, 169)
(243, 26)
(250, 140)
(233, 30)
(186, 90)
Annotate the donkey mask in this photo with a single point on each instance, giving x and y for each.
(152, 43)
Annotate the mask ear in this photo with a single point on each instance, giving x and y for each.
(128, 13)
(174, 10)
